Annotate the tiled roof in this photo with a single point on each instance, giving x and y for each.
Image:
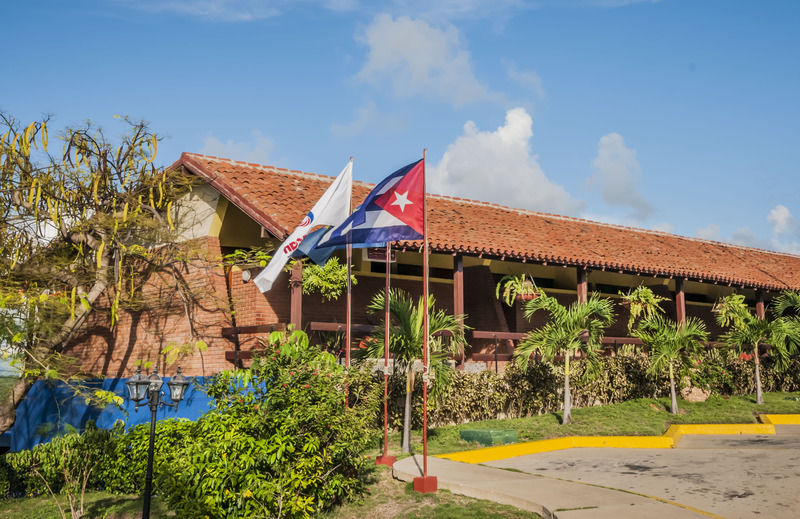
(279, 198)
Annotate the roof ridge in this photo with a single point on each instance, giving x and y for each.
(504, 207)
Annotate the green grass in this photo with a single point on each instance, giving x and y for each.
(98, 504)
(388, 498)
(643, 417)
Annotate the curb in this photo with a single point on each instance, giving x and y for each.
(669, 440)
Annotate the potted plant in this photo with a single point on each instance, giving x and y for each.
(520, 287)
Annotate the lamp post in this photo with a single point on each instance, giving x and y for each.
(148, 388)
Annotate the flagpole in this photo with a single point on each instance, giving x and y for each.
(385, 459)
(348, 334)
(425, 483)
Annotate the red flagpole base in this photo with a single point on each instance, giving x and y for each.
(385, 459)
(426, 484)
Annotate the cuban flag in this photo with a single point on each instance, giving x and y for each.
(391, 212)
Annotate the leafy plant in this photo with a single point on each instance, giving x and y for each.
(67, 464)
(671, 345)
(748, 331)
(579, 327)
(406, 341)
(642, 303)
(329, 280)
(279, 441)
(124, 470)
(516, 287)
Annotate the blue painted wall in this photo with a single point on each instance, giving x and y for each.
(50, 405)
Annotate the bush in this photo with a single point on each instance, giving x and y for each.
(516, 393)
(124, 470)
(67, 464)
(280, 441)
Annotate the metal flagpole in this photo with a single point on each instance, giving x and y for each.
(348, 320)
(385, 459)
(425, 483)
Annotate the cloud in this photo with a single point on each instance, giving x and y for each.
(369, 117)
(529, 79)
(782, 221)
(709, 232)
(498, 167)
(617, 174)
(232, 10)
(416, 58)
(257, 151)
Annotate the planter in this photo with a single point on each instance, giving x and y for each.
(526, 297)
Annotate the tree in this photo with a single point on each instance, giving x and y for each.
(82, 233)
(579, 327)
(671, 345)
(406, 340)
(746, 330)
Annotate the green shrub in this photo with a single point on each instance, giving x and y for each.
(280, 441)
(124, 470)
(67, 464)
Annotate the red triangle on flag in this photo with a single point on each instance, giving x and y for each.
(404, 199)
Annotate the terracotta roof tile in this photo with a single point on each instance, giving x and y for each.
(279, 198)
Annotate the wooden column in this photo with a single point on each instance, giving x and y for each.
(680, 301)
(760, 313)
(296, 313)
(583, 285)
(458, 294)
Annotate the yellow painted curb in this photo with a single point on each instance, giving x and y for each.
(781, 419)
(667, 441)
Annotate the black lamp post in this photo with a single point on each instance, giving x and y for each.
(141, 387)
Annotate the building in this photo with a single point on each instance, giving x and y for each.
(473, 244)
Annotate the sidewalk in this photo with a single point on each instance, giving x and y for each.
(550, 498)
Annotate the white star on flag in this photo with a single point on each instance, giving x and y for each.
(401, 200)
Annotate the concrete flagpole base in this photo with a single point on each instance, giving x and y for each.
(385, 459)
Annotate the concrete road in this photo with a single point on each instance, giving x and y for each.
(733, 477)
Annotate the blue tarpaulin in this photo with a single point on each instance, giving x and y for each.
(50, 405)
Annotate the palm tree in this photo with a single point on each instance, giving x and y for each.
(748, 331)
(787, 304)
(579, 327)
(671, 345)
(406, 340)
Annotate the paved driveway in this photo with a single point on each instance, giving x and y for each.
(733, 477)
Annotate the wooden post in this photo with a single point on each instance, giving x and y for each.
(583, 285)
(760, 313)
(680, 301)
(296, 312)
(458, 295)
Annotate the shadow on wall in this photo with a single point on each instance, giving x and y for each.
(50, 406)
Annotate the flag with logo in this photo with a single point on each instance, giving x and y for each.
(393, 211)
(331, 209)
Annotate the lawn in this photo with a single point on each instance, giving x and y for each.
(98, 504)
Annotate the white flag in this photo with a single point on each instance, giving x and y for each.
(331, 209)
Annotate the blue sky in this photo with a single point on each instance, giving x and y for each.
(678, 115)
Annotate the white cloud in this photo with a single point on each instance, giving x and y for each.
(663, 227)
(526, 78)
(416, 58)
(232, 10)
(257, 150)
(709, 232)
(368, 117)
(782, 221)
(617, 173)
(498, 167)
